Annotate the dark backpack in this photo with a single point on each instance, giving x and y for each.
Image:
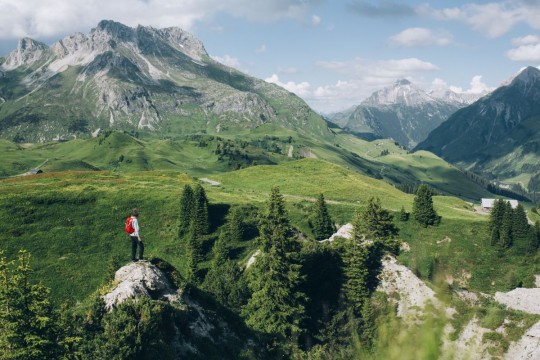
(129, 227)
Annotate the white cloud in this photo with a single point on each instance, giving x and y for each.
(363, 78)
(528, 49)
(525, 53)
(228, 61)
(526, 40)
(261, 49)
(421, 37)
(39, 19)
(315, 20)
(476, 86)
(493, 19)
(302, 89)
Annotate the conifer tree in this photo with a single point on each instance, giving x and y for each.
(323, 226)
(520, 225)
(403, 215)
(186, 208)
(276, 305)
(496, 215)
(235, 226)
(375, 222)
(199, 213)
(423, 210)
(505, 240)
(27, 322)
(194, 252)
(356, 274)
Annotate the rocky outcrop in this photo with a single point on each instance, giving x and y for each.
(523, 299)
(345, 232)
(528, 347)
(140, 279)
(28, 52)
(412, 293)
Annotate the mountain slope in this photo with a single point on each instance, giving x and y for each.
(498, 135)
(139, 79)
(402, 112)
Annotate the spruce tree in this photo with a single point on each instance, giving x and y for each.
(199, 214)
(520, 228)
(28, 328)
(323, 226)
(356, 274)
(194, 252)
(186, 208)
(403, 215)
(276, 305)
(235, 226)
(423, 210)
(506, 236)
(375, 222)
(496, 215)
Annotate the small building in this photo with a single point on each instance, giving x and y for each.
(487, 204)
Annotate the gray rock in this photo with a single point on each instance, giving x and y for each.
(140, 279)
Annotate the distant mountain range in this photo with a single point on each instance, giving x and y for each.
(136, 79)
(403, 112)
(499, 135)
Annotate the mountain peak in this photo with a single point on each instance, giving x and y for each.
(28, 51)
(530, 73)
(402, 82)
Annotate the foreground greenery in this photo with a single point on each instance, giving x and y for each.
(72, 223)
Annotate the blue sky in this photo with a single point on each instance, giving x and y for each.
(331, 53)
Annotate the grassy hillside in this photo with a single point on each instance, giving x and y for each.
(201, 155)
(72, 222)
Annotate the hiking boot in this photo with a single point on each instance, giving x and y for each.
(134, 260)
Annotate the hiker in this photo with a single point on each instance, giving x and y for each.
(135, 235)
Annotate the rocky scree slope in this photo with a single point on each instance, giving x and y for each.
(138, 79)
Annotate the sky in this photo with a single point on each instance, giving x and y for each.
(331, 53)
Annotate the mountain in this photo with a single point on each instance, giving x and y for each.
(136, 79)
(402, 111)
(499, 135)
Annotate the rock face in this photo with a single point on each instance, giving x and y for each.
(136, 79)
(528, 347)
(345, 232)
(402, 112)
(140, 279)
(497, 135)
(413, 293)
(523, 299)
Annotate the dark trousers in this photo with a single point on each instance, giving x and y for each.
(134, 243)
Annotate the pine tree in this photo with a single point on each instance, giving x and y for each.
(356, 274)
(423, 210)
(27, 322)
(199, 212)
(403, 215)
(323, 226)
(520, 228)
(235, 226)
(274, 223)
(276, 305)
(194, 252)
(496, 215)
(186, 208)
(375, 222)
(505, 241)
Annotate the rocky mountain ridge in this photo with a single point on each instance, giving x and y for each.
(498, 135)
(136, 79)
(403, 112)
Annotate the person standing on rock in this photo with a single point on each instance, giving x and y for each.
(136, 240)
